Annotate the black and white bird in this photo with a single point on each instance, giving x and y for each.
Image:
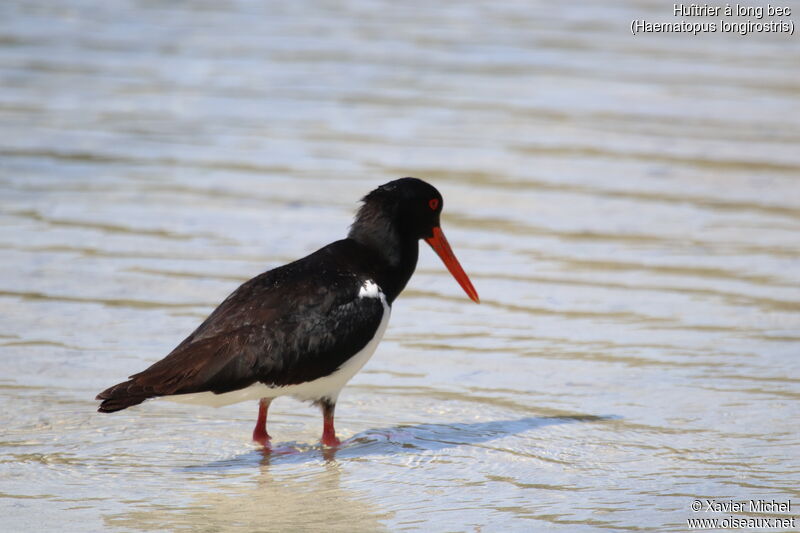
(304, 329)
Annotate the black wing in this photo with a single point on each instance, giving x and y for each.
(293, 324)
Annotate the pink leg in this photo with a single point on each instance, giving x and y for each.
(328, 431)
(260, 434)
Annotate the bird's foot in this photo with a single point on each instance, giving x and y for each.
(330, 440)
(261, 437)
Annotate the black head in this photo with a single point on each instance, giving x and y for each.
(395, 216)
(409, 205)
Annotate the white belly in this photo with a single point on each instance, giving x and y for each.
(325, 387)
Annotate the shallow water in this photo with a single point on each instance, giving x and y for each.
(628, 209)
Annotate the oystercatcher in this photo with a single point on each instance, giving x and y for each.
(304, 329)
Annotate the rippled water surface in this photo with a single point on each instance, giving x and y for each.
(627, 207)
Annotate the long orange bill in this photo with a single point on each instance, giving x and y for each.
(443, 250)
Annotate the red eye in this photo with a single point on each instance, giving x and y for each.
(434, 204)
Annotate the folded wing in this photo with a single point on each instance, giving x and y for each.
(271, 330)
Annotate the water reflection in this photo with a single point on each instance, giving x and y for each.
(310, 500)
(226, 495)
(392, 441)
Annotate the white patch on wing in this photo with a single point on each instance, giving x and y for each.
(324, 387)
(370, 289)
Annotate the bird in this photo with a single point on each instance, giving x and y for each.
(306, 328)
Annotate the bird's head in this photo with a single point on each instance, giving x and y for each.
(404, 211)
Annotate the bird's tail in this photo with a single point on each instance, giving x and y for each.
(191, 367)
(121, 396)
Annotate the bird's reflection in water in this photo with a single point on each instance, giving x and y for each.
(298, 487)
(271, 453)
(413, 439)
(250, 493)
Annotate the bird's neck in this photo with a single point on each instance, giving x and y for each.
(395, 255)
